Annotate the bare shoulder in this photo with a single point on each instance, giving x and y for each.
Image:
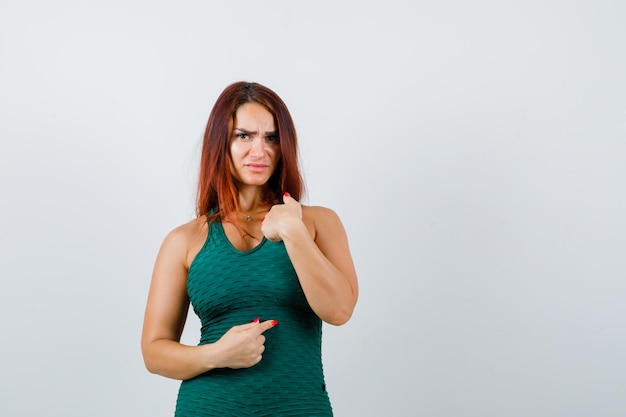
(319, 213)
(322, 219)
(186, 240)
(185, 233)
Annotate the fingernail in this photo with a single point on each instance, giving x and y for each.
(256, 320)
(263, 218)
(274, 323)
(286, 194)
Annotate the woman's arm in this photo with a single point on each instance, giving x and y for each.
(323, 261)
(166, 312)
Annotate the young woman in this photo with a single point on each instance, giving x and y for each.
(261, 271)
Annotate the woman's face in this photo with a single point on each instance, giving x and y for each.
(254, 147)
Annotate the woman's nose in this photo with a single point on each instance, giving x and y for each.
(257, 147)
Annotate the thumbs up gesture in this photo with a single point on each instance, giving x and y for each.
(281, 218)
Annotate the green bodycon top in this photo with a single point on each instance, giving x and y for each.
(229, 287)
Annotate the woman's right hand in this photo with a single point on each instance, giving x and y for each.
(243, 346)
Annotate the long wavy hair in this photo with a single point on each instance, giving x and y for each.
(217, 191)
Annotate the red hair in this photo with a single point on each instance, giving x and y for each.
(216, 188)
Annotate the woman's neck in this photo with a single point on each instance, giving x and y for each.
(251, 200)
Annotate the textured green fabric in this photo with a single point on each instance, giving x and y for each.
(228, 287)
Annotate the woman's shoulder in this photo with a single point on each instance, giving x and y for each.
(324, 224)
(318, 212)
(188, 237)
(320, 217)
(188, 230)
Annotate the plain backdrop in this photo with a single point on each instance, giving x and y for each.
(475, 151)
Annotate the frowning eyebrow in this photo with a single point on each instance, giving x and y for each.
(251, 132)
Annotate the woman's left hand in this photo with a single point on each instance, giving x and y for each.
(280, 218)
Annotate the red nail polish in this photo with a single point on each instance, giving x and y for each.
(263, 218)
(274, 323)
(257, 320)
(286, 194)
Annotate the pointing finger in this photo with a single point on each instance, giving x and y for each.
(249, 325)
(266, 325)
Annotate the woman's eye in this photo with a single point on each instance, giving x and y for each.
(273, 138)
(243, 136)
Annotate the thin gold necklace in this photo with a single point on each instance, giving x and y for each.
(247, 216)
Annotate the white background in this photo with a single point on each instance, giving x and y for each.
(475, 150)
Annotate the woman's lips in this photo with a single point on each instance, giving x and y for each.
(257, 167)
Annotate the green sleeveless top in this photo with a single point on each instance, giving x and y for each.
(229, 287)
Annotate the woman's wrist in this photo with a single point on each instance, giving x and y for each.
(294, 230)
(210, 355)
